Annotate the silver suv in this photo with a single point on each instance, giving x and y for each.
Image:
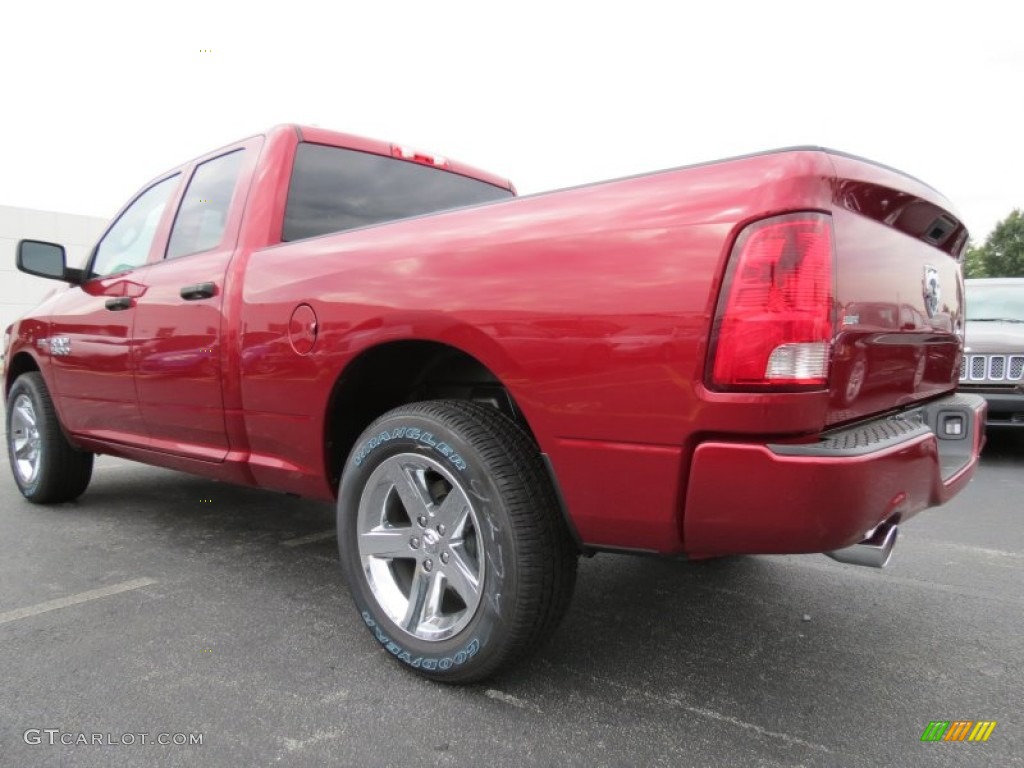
(993, 364)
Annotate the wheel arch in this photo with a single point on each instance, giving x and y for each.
(394, 373)
(22, 362)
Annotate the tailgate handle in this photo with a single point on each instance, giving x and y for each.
(198, 291)
(116, 305)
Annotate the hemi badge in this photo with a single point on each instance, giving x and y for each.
(60, 346)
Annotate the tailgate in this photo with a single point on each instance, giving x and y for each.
(899, 291)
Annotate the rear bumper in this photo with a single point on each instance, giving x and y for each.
(1005, 409)
(826, 495)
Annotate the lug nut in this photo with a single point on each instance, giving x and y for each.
(440, 529)
(444, 558)
(414, 542)
(422, 521)
(428, 565)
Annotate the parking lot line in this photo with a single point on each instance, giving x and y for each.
(857, 572)
(299, 541)
(673, 701)
(81, 597)
(971, 549)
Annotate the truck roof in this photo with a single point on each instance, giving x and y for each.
(317, 135)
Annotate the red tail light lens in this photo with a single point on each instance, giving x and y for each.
(773, 325)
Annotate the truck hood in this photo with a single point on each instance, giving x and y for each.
(994, 336)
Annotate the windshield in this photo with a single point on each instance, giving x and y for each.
(995, 302)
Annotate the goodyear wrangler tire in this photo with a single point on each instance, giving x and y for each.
(451, 539)
(46, 467)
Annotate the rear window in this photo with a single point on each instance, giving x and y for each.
(334, 189)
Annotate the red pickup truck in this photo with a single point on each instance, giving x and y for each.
(757, 355)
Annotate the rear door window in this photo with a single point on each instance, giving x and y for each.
(203, 213)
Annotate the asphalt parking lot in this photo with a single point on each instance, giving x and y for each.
(162, 604)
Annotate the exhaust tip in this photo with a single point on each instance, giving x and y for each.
(874, 552)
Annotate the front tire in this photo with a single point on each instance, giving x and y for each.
(451, 539)
(46, 467)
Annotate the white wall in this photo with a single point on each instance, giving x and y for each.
(20, 292)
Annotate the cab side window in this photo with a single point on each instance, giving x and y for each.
(203, 214)
(126, 244)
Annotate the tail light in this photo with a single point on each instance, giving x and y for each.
(773, 324)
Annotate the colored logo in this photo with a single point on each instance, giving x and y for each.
(958, 730)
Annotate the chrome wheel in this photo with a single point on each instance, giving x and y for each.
(452, 540)
(856, 381)
(420, 546)
(26, 444)
(47, 468)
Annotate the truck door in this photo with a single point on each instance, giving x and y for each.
(178, 323)
(90, 339)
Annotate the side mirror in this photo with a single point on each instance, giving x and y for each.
(44, 260)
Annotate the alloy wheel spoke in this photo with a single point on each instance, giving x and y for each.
(417, 600)
(462, 578)
(384, 543)
(453, 512)
(27, 414)
(408, 489)
(424, 600)
(434, 596)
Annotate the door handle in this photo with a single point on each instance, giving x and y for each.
(121, 302)
(198, 291)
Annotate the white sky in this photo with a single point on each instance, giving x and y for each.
(101, 96)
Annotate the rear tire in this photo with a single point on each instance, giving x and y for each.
(452, 540)
(46, 467)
